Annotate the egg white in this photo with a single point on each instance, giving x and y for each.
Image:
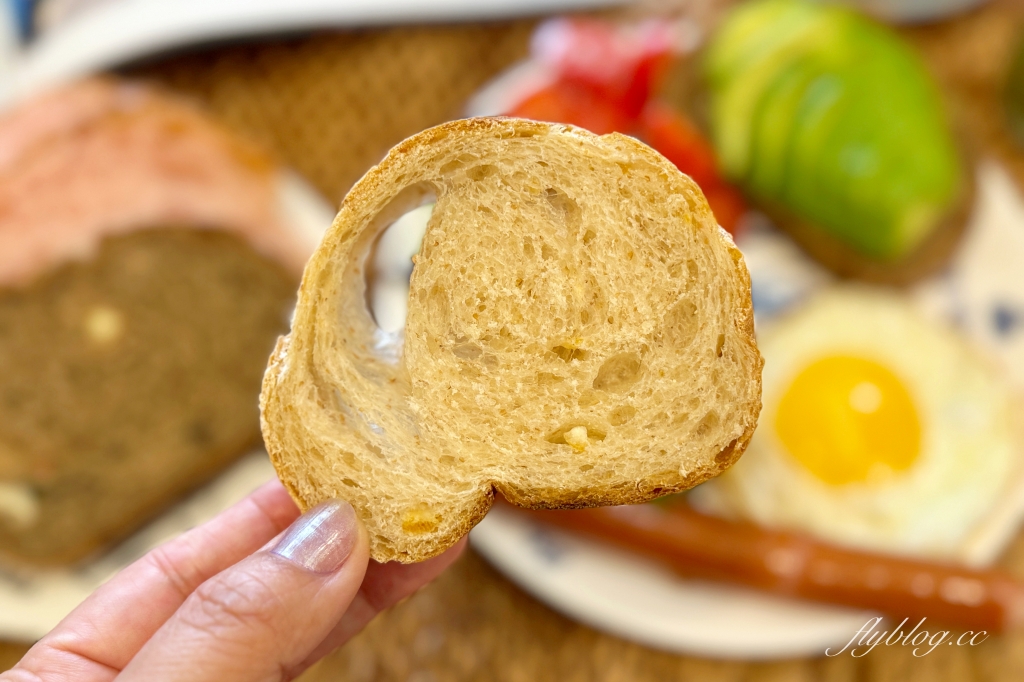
(969, 453)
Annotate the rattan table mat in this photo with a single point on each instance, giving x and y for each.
(331, 105)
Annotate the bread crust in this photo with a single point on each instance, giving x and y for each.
(341, 419)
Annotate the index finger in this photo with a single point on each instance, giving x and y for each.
(109, 627)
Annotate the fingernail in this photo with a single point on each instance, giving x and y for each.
(321, 539)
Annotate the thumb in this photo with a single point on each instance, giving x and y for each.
(260, 619)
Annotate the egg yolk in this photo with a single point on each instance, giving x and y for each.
(846, 419)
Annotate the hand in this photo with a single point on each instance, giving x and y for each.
(232, 600)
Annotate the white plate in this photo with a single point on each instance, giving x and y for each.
(626, 595)
(119, 31)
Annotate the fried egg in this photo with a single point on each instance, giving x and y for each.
(880, 430)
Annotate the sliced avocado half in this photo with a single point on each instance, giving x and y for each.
(736, 98)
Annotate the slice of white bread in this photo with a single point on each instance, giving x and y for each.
(580, 333)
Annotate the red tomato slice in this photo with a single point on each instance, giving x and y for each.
(622, 64)
(679, 140)
(564, 103)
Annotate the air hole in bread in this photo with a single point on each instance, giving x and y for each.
(547, 252)
(657, 421)
(465, 350)
(481, 172)
(389, 266)
(498, 342)
(436, 301)
(568, 353)
(621, 415)
(460, 161)
(680, 324)
(447, 460)
(350, 483)
(589, 236)
(589, 398)
(350, 460)
(547, 378)
(586, 467)
(619, 373)
(719, 345)
(565, 206)
(725, 456)
(706, 424)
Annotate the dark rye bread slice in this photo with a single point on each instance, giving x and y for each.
(126, 380)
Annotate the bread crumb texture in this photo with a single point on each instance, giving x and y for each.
(580, 333)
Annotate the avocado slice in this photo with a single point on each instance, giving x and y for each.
(819, 112)
(888, 165)
(834, 117)
(755, 69)
(744, 33)
(773, 128)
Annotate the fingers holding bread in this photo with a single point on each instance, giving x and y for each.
(580, 333)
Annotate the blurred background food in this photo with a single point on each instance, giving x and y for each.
(604, 77)
(867, 156)
(913, 10)
(1015, 94)
(880, 430)
(883, 430)
(832, 119)
(146, 266)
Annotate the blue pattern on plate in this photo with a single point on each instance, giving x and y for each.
(549, 547)
(1005, 319)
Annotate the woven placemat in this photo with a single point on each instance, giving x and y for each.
(331, 105)
(473, 624)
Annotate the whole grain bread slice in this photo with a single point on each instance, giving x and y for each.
(580, 333)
